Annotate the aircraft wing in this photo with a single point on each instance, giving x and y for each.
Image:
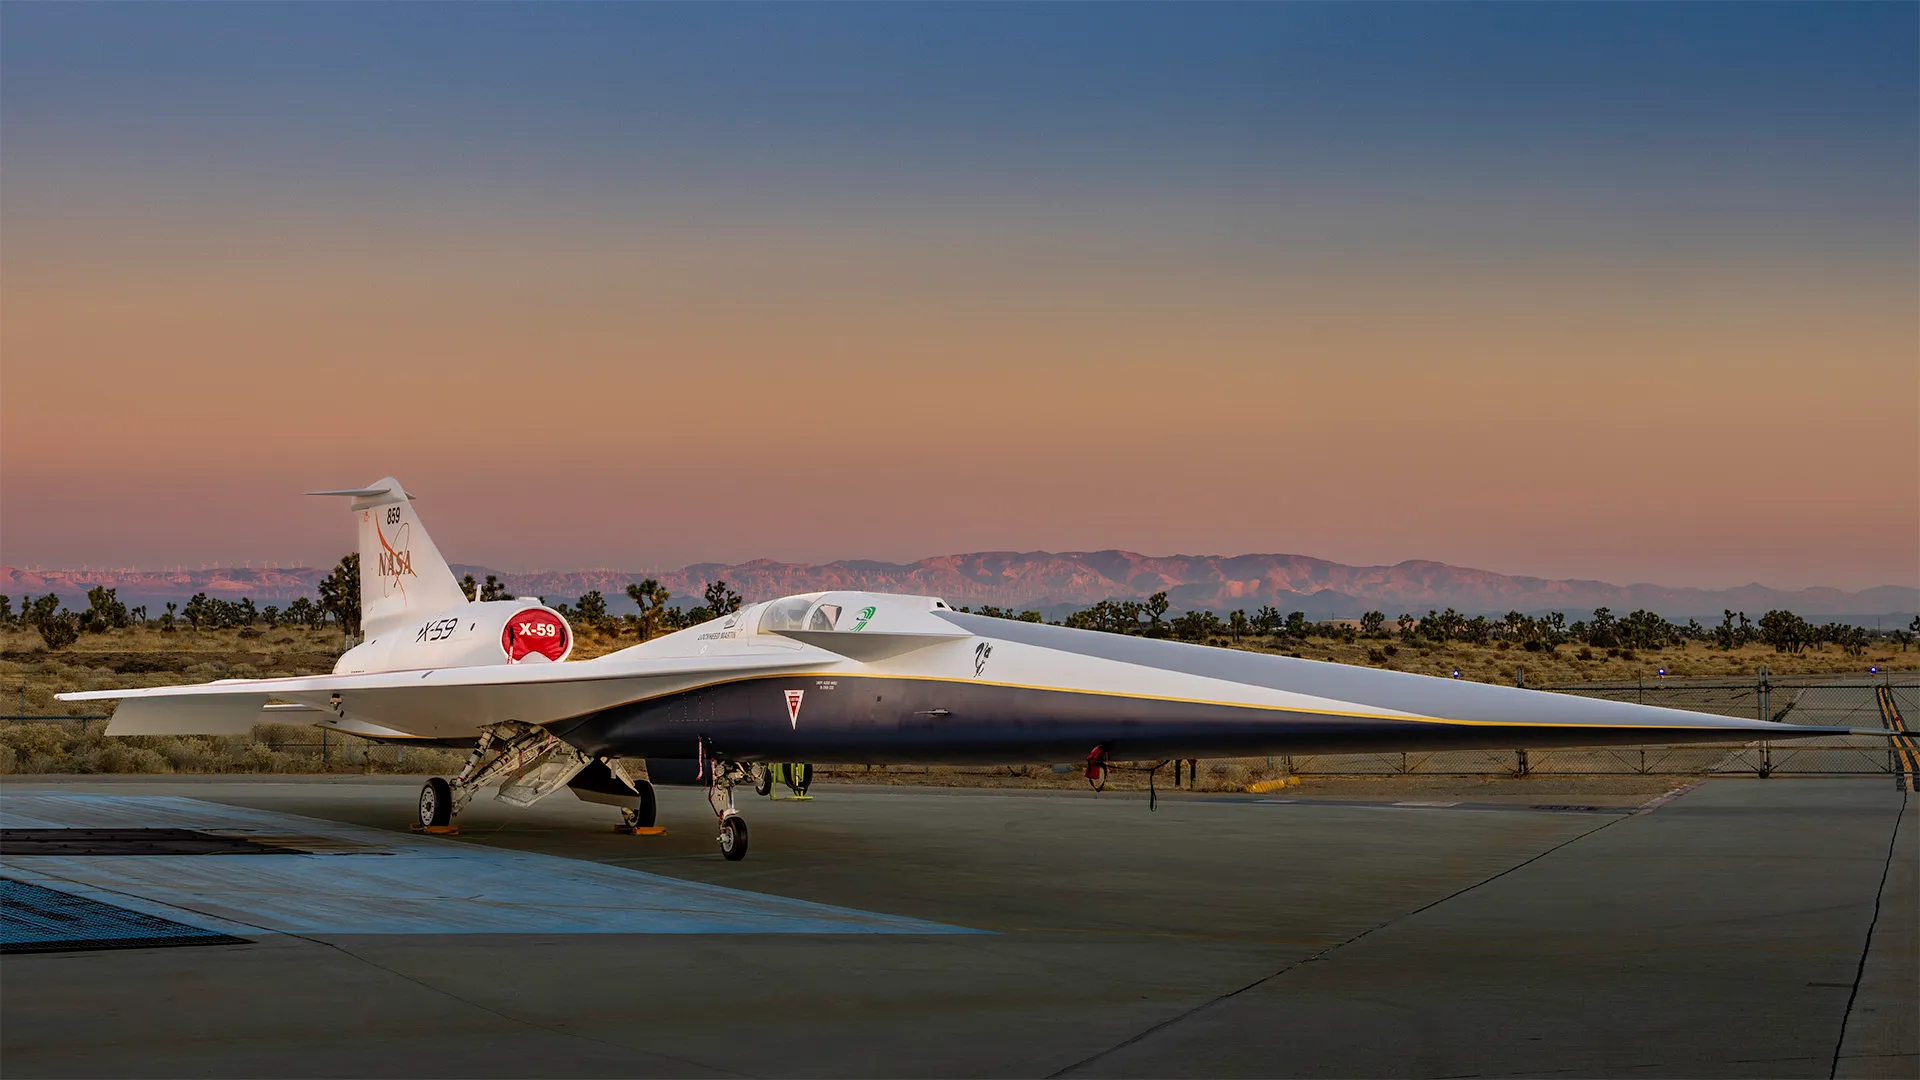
(1386, 709)
(437, 703)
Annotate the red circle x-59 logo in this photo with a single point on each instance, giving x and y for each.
(534, 631)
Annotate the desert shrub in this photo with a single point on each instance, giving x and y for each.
(116, 756)
(186, 754)
(30, 743)
(59, 631)
(278, 748)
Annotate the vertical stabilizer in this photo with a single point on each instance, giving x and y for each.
(402, 576)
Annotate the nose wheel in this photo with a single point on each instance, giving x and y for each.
(733, 837)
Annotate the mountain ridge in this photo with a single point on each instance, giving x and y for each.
(1053, 580)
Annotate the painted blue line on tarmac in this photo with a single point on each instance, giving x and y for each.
(376, 882)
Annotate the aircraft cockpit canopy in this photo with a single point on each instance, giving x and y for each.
(850, 612)
(799, 613)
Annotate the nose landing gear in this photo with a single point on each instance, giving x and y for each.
(721, 777)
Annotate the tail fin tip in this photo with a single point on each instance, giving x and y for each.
(402, 574)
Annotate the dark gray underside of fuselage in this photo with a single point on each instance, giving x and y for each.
(880, 720)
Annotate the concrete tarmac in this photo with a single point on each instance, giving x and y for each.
(1744, 928)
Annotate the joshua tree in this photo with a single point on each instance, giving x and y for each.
(721, 600)
(340, 594)
(651, 597)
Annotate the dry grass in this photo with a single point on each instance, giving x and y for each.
(83, 747)
(141, 656)
(1564, 665)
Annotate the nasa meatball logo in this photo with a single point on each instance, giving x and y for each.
(534, 633)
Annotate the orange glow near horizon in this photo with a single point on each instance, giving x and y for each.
(654, 408)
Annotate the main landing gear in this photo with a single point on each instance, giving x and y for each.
(531, 763)
(522, 747)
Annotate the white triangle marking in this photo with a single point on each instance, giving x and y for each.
(793, 707)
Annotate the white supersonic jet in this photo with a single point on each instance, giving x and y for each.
(849, 677)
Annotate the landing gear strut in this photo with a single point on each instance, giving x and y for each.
(721, 777)
(531, 760)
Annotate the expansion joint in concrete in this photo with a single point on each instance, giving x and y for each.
(1214, 1003)
(1866, 945)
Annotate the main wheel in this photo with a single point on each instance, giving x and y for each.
(763, 780)
(649, 808)
(804, 777)
(436, 803)
(733, 838)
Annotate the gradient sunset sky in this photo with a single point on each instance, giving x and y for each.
(1621, 291)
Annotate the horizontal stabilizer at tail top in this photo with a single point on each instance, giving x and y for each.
(356, 493)
(403, 577)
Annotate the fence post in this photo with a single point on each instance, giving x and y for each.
(1520, 762)
(325, 765)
